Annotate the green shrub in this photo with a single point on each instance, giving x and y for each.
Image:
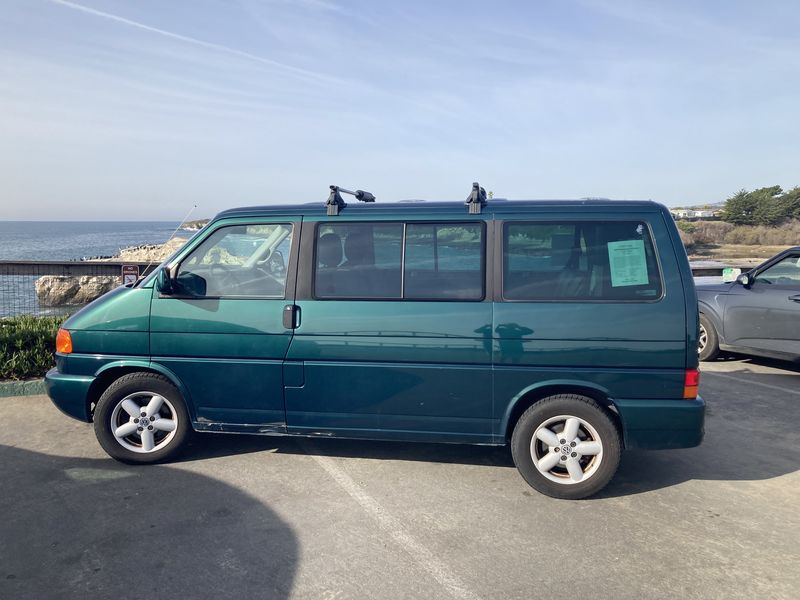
(719, 232)
(27, 345)
(787, 233)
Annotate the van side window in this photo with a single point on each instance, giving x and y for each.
(444, 261)
(239, 261)
(581, 260)
(358, 260)
(415, 261)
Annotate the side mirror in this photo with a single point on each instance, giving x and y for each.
(164, 283)
(745, 279)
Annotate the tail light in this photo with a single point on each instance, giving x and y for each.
(63, 342)
(691, 381)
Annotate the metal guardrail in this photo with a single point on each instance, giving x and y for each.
(702, 269)
(711, 271)
(68, 268)
(58, 287)
(62, 287)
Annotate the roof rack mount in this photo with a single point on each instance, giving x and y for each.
(476, 199)
(335, 202)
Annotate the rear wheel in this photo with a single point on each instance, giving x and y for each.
(141, 418)
(708, 340)
(566, 446)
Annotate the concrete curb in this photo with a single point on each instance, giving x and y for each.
(29, 387)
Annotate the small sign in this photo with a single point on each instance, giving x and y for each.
(730, 274)
(628, 263)
(130, 274)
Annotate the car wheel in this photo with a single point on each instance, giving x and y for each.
(141, 418)
(707, 341)
(566, 446)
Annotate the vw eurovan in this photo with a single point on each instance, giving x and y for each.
(565, 329)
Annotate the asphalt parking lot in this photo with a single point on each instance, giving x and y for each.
(257, 517)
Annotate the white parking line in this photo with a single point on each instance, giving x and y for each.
(416, 550)
(751, 382)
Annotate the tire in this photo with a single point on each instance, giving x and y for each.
(118, 419)
(578, 476)
(708, 340)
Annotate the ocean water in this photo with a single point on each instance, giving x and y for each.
(73, 240)
(66, 240)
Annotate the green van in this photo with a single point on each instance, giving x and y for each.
(566, 329)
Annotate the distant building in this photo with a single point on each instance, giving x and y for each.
(692, 213)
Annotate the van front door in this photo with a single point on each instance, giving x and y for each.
(221, 328)
(766, 315)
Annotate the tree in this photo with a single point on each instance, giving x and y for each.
(739, 209)
(769, 208)
(764, 206)
(791, 203)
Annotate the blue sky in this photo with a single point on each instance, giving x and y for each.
(114, 109)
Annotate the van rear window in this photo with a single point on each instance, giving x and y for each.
(580, 260)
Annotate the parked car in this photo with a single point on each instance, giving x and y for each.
(757, 314)
(565, 329)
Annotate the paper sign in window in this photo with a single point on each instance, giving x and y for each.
(627, 262)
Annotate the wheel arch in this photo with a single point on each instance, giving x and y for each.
(539, 391)
(708, 311)
(110, 372)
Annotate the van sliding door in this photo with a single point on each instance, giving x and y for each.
(394, 338)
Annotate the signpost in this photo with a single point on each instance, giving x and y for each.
(130, 274)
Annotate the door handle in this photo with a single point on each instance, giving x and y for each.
(291, 316)
(795, 298)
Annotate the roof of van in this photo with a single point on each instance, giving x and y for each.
(495, 205)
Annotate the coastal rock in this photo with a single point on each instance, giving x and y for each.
(55, 290)
(149, 253)
(58, 290)
(92, 287)
(194, 225)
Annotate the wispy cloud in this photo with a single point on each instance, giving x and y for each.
(354, 86)
(304, 73)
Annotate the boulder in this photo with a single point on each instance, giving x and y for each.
(59, 290)
(92, 287)
(55, 290)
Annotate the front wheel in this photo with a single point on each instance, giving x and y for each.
(566, 446)
(141, 418)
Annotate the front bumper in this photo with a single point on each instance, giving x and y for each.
(661, 424)
(69, 393)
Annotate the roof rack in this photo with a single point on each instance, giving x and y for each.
(476, 199)
(335, 202)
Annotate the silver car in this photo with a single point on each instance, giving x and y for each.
(757, 314)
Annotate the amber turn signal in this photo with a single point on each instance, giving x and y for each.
(63, 342)
(691, 382)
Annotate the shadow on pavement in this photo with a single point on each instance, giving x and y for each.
(739, 420)
(80, 528)
(212, 445)
(791, 367)
(751, 433)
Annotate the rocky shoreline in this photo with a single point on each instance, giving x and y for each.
(194, 225)
(60, 290)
